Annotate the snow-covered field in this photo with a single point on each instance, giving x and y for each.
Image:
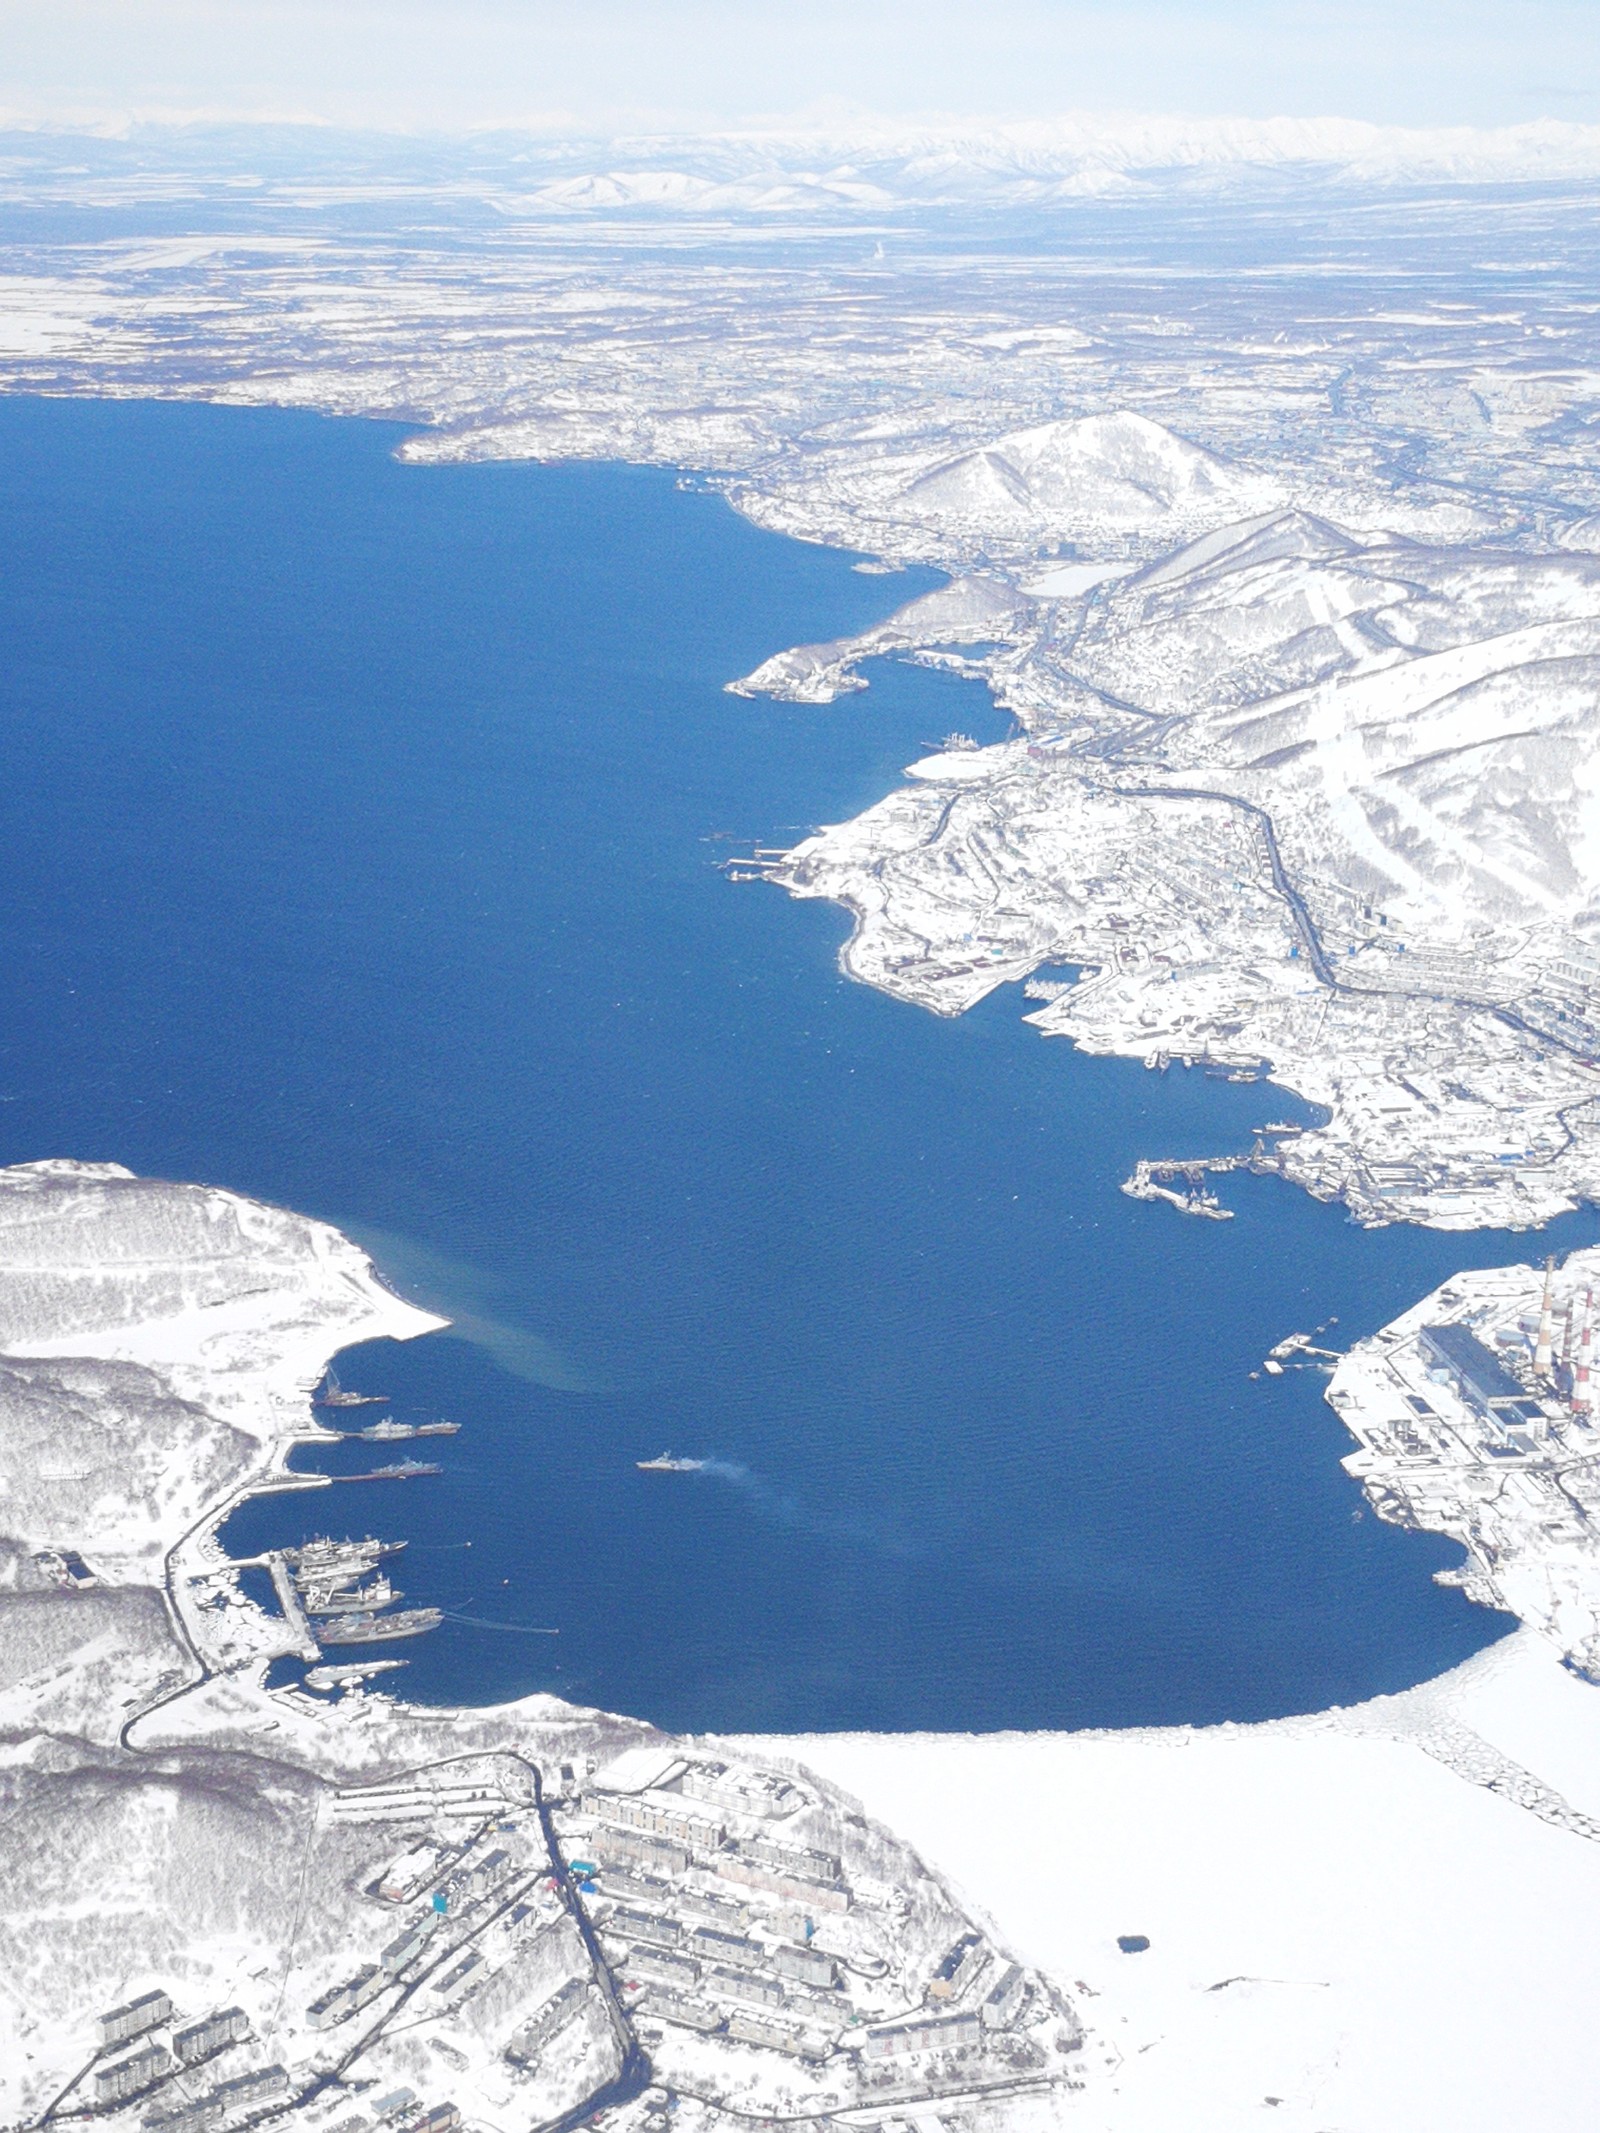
(1351, 1930)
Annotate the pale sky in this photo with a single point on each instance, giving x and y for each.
(691, 63)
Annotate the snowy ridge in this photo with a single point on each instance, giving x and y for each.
(862, 169)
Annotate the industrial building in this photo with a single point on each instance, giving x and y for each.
(203, 2038)
(132, 2019)
(1477, 1374)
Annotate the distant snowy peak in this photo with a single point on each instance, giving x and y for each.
(768, 192)
(1124, 453)
(865, 168)
(1036, 165)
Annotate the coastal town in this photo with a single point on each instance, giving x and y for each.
(388, 1916)
(485, 1973)
(1269, 875)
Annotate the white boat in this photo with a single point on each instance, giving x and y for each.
(666, 1464)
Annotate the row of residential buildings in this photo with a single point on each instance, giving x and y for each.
(131, 2072)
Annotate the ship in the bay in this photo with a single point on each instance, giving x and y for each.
(666, 1464)
(323, 1561)
(391, 1432)
(333, 1394)
(350, 1599)
(375, 1629)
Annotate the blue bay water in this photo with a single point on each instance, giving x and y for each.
(361, 830)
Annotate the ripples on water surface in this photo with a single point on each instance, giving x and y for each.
(360, 837)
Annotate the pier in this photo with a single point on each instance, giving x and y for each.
(1160, 1181)
(288, 1598)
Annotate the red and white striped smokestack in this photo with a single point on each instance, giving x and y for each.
(1582, 1391)
(1544, 1346)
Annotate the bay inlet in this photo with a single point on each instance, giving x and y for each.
(363, 828)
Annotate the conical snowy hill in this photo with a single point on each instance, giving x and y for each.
(1117, 474)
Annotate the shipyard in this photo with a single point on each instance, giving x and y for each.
(1477, 1415)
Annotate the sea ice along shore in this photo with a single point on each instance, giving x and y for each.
(223, 1903)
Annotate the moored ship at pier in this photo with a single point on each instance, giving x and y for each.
(374, 1629)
